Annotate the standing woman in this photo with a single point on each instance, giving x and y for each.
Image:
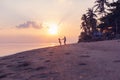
(59, 41)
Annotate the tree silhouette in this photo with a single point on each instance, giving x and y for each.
(84, 23)
(109, 21)
(88, 24)
(115, 14)
(112, 19)
(91, 20)
(100, 6)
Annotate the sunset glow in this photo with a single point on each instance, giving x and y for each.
(53, 29)
(41, 21)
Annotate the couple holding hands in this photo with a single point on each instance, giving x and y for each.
(64, 40)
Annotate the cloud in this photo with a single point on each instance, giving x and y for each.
(30, 24)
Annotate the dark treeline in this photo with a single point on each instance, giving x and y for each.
(101, 22)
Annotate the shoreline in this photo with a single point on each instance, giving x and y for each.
(13, 48)
(86, 61)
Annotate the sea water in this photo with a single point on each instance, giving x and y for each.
(12, 48)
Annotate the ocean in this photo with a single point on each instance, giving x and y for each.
(12, 48)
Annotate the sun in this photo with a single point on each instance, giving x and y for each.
(53, 29)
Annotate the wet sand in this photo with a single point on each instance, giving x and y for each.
(83, 61)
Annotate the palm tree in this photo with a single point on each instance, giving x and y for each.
(84, 23)
(100, 6)
(116, 12)
(88, 25)
(89, 22)
(92, 22)
(112, 19)
(84, 36)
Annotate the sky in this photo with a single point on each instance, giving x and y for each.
(30, 20)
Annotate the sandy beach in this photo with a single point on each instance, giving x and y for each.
(83, 61)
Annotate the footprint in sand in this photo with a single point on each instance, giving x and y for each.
(6, 58)
(20, 66)
(67, 53)
(51, 52)
(46, 75)
(116, 61)
(23, 64)
(82, 64)
(47, 61)
(41, 68)
(85, 56)
(54, 73)
(21, 57)
(45, 49)
(41, 58)
(41, 75)
(2, 64)
(5, 75)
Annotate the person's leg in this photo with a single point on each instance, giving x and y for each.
(64, 42)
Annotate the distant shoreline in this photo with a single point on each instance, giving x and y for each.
(12, 48)
(39, 48)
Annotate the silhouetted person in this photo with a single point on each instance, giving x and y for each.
(59, 41)
(64, 40)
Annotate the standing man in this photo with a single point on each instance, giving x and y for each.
(64, 40)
